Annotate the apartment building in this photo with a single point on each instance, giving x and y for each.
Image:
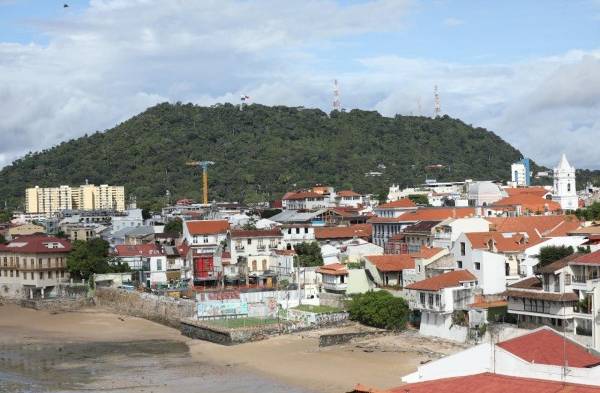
(50, 200)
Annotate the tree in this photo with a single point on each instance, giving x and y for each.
(5, 216)
(550, 254)
(419, 199)
(174, 226)
(589, 213)
(2, 239)
(250, 225)
(379, 309)
(309, 254)
(584, 250)
(87, 258)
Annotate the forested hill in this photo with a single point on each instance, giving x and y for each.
(261, 152)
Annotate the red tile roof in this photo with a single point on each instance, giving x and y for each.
(138, 250)
(427, 252)
(546, 346)
(399, 204)
(392, 263)
(242, 233)
(428, 214)
(545, 226)
(537, 191)
(587, 259)
(529, 202)
(333, 269)
(445, 280)
(347, 193)
(36, 244)
(301, 195)
(487, 383)
(502, 242)
(357, 230)
(207, 227)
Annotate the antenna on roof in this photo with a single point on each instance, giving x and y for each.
(337, 104)
(437, 108)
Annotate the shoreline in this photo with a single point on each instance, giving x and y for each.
(294, 359)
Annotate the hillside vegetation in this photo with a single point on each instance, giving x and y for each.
(261, 152)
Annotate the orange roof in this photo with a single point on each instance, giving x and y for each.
(427, 252)
(529, 202)
(502, 242)
(347, 193)
(537, 191)
(399, 204)
(587, 259)
(392, 263)
(544, 226)
(244, 233)
(207, 227)
(302, 195)
(138, 250)
(333, 269)
(545, 346)
(445, 280)
(357, 230)
(487, 383)
(428, 214)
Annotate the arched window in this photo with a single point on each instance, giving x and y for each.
(568, 187)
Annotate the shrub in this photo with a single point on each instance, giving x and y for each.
(379, 309)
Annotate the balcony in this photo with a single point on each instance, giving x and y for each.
(431, 307)
(239, 248)
(261, 247)
(335, 287)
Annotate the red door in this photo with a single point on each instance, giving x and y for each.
(203, 266)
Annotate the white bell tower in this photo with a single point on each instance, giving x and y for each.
(564, 191)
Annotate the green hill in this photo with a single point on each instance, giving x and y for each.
(261, 152)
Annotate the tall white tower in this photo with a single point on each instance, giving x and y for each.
(337, 104)
(564, 191)
(437, 108)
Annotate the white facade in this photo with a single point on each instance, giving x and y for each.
(485, 358)
(295, 234)
(483, 193)
(353, 250)
(531, 253)
(564, 191)
(518, 174)
(256, 249)
(133, 219)
(448, 231)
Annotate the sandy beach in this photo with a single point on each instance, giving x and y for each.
(161, 358)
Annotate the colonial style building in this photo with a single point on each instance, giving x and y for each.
(564, 191)
(33, 266)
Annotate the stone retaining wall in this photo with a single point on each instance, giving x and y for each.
(202, 331)
(162, 309)
(326, 340)
(58, 304)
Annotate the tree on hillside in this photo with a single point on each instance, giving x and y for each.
(550, 254)
(419, 199)
(91, 257)
(309, 254)
(174, 226)
(5, 216)
(379, 309)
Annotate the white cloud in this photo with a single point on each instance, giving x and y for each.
(453, 22)
(120, 56)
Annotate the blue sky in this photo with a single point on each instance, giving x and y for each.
(524, 69)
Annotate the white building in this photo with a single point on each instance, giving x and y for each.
(204, 236)
(564, 191)
(147, 258)
(438, 298)
(334, 278)
(255, 247)
(297, 233)
(348, 198)
(449, 230)
(133, 218)
(483, 193)
(539, 354)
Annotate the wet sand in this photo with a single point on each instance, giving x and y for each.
(95, 350)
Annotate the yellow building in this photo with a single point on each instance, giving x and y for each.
(85, 197)
(25, 229)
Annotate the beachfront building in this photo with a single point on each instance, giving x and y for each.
(443, 303)
(254, 248)
(148, 259)
(334, 278)
(540, 354)
(205, 238)
(32, 266)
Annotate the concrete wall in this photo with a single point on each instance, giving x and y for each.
(202, 331)
(440, 325)
(162, 309)
(57, 305)
(332, 300)
(316, 319)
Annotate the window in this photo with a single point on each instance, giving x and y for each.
(459, 264)
(507, 269)
(41, 275)
(477, 265)
(32, 275)
(62, 273)
(50, 274)
(568, 187)
(422, 297)
(249, 241)
(205, 239)
(305, 230)
(297, 230)
(159, 265)
(463, 248)
(289, 231)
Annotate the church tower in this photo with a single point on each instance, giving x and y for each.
(564, 191)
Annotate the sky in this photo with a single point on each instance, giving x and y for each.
(527, 70)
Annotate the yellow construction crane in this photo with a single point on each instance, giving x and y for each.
(204, 165)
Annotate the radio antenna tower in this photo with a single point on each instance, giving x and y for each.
(437, 109)
(337, 105)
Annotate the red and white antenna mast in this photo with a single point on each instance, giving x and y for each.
(337, 105)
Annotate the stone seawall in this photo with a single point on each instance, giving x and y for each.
(327, 340)
(202, 331)
(164, 310)
(56, 305)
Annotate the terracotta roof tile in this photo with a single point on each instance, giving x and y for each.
(392, 263)
(36, 244)
(334, 269)
(399, 204)
(489, 383)
(545, 226)
(357, 230)
(142, 250)
(529, 202)
(302, 195)
(502, 242)
(545, 346)
(542, 295)
(445, 280)
(537, 191)
(587, 259)
(347, 193)
(207, 227)
(428, 214)
(527, 283)
(243, 233)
